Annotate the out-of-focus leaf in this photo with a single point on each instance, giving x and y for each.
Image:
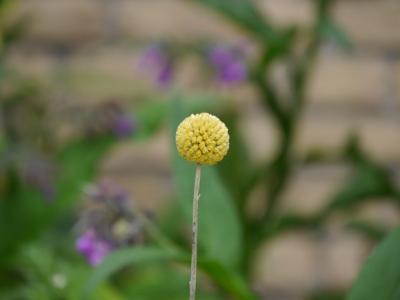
(107, 292)
(14, 31)
(79, 162)
(2, 145)
(371, 231)
(51, 274)
(220, 234)
(328, 295)
(380, 275)
(352, 150)
(286, 223)
(235, 167)
(5, 6)
(122, 258)
(331, 30)
(14, 294)
(204, 102)
(244, 13)
(228, 279)
(162, 282)
(292, 221)
(150, 117)
(22, 215)
(171, 223)
(369, 181)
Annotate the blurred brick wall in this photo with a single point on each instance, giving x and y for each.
(86, 49)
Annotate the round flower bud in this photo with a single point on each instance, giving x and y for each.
(202, 138)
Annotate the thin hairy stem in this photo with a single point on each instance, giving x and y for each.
(193, 267)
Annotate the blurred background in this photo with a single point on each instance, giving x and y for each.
(87, 155)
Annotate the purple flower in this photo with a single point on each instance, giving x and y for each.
(157, 62)
(109, 118)
(107, 223)
(232, 73)
(84, 244)
(93, 247)
(221, 56)
(165, 75)
(228, 64)
(123, 126)
(100, 251)
(153, 56)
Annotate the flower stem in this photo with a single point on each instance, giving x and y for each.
(193, 268)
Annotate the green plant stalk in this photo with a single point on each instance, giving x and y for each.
(279, 171)
(298, 78)
(193, 266)
(287, 123)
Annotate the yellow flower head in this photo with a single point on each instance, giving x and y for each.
(202, 138)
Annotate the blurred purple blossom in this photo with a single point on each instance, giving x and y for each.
(107, 222)
(109, 118)
(157, 62)
(123, 126)
(229, 64)
(93, 247)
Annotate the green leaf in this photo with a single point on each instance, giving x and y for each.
(122, 258)
(23, 214)
(328, 295)
(220, 235)
(369, 181)
(228, 279)
(150, 117)
(245, 14)
(372, 231)
(380, 275)
(79, 162)
(235, 167)
(331, 30)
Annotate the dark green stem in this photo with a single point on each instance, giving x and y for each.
(279, 171)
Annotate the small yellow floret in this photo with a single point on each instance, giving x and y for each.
(202, 138)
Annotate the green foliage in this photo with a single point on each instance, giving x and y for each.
(235, 168)
(328, 296)
(380, 277)
(163, 283)
(374, 232)
(227, 279)
(122, 258)
(79, 162)
(244, 13)
(368, 182)
(138, 257)
(53, 275)
(23, 212)
(331, 30)
(150, 117)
